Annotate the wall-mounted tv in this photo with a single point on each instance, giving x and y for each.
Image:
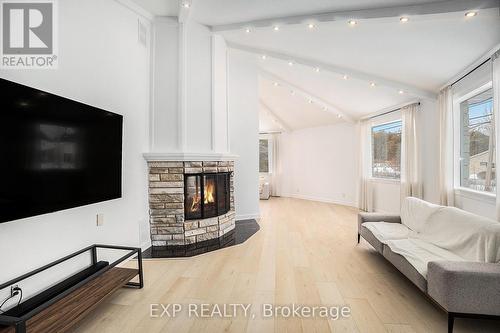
(55, 153)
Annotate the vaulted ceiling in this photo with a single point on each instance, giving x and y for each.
(345, 69)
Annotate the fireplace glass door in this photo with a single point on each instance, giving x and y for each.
(193, 197)
(206, 195)
(210, 195)
(223, 192)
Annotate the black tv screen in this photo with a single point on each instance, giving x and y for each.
(55, 153)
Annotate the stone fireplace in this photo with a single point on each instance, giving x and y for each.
(190, 201)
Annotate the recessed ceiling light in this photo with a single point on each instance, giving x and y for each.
(352, 22)
(339, 116)
(316, 69)
(404, 19)
(310, 101)
(248, 30)
(186, 5)
(401, 92)
(372, 84)
(275, 84)
(276, 28)
(290, 63)
(311, 26)
(470, 14)
(263, 57)
(345, 77)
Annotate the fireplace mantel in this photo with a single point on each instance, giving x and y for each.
(189, 157)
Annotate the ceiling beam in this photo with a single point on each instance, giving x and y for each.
(341, 71)
(307, 95)
(441, 7)
(273, 115)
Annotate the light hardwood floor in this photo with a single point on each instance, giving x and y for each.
(305, 253)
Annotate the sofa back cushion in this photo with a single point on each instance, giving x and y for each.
(467, 235)
(415, 212)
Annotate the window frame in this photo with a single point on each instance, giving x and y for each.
(457, 146)
(378, 124)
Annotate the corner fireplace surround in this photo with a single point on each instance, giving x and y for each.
(190, 202)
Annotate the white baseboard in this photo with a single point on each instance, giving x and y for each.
(247, 216)
(321, 199)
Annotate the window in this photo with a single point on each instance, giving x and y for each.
(477, 145)
(264, 155)
(386, 150)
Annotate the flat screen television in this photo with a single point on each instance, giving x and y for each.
(55, 153)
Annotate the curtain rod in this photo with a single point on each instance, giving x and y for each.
(388, 112)
(470, 72)
(271, 132)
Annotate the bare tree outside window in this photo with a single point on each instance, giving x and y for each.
(477, 132)
(386, 150)
(264, 156)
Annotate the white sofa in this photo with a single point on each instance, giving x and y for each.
(451, 255)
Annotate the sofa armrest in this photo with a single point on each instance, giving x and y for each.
(377, 217)
(465, 287)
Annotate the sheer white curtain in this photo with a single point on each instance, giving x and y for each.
(496, 112)
(411, 181)
(365, 161)
(446, 169)
(275, 177)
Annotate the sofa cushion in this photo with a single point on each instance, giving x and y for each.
(371, 239)
(416, 212)
(405, 268)
(420, 253)
(384, 231)
(467, 235)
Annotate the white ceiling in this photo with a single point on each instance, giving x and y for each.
(293, 112)
(420, 55)
(425, 53)
(267, 123)
(217, 12)
(159, 7)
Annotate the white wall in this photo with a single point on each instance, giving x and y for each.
(165, 118)
(198, 88)
(244, 131)
(101, 63)
(220, 110)
(190, 110)
(321, 164)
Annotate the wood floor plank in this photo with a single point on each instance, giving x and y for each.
(305, 253)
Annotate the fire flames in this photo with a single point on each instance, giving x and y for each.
(209, 196)
(209, 193)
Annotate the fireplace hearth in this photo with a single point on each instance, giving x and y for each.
(190, 202)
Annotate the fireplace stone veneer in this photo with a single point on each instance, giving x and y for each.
(168, 224)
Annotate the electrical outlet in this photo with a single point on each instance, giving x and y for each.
(99, 220)
(14, 290)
